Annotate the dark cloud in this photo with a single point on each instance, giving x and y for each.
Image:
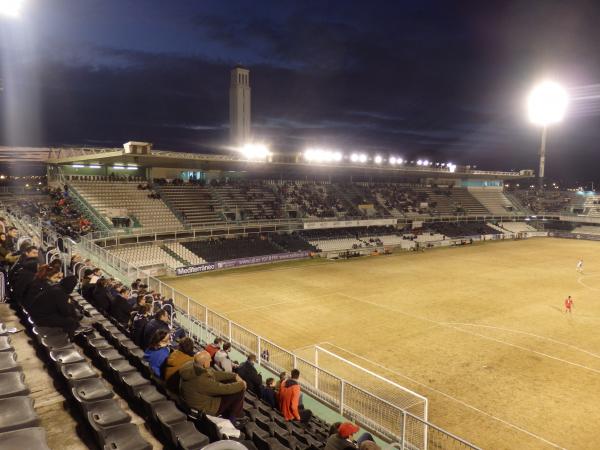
(441, 80)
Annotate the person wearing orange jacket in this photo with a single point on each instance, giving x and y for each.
(289, 399)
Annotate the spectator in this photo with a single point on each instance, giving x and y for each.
(249, 374)
(342, 438)
(214, 393)
(177, 358)
(222, 360)
(289, 399)
(138, 324)
(11, 239)
(368, 445)
(158, 351)
(268, 393)
(282, 377)
(101, 298)
(160, 321)
(213, 348)
(28, 253)
(119, 308)
(24, 278)
(6, 257)
(51, 307)
(44, 277)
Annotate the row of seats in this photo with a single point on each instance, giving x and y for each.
(18, 419)
(184, 253)
(107, 196)
(110, 425)
(266, 427)
(147, 255)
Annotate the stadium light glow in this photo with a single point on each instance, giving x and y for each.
(378, 159)
(425, 163)
(255, 152)
(11, 8)
(547, 103)
(354, 157)
(319, 155)
(362, 158)
(95, 166)
(77, 166)
(420, 162)
(451, 167)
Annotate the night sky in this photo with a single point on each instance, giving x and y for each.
(443, 80)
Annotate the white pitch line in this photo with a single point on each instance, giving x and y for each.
(463, 403)
(285, 302)
(499, 341)
(530, 334)
(581, 278)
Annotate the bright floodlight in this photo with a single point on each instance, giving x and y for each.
(547, 103)
(420, 162)
(378, 159)
(392, 160)
(354, 157)
(362, 158)
(11, 8)
(255, 152)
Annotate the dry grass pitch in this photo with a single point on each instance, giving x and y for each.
(479, 330)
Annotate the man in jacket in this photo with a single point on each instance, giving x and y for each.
(250, 375)
(222, 361)
(215, 393)
(160, 321)
(289, 399)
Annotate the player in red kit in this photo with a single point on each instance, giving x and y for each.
(568, 304)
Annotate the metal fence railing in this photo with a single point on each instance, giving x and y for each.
(389, 421)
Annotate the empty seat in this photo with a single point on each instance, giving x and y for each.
(132, 381)
(25, 439)
(91, 389)
(5, 345)
(8, 362)
(77, 371)
(104, 414)
(147, 394)
(66, 356)
(12, 384)
(42, 332)
(57, 341)
(17, 413)
(186, 436)
(120, 367)
(109, 354)
(125, 437)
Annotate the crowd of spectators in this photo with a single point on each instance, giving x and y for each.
(315, 200)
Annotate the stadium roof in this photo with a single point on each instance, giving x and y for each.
(233, 162)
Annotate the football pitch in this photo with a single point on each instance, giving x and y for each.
(479, 330)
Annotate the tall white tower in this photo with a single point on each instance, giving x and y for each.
(239, 106)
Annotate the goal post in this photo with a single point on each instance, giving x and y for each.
(369, 394)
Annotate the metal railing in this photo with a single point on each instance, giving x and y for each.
(374, 413)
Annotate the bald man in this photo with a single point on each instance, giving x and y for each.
(215, 393)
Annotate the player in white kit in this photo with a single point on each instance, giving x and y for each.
(580, 266)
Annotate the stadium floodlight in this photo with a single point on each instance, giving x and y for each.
(546, 105)
(255, 152)
(320, 156)
(451, 167)
(11, 8)
(420, 162)
(362, 158)
(378, 159)
(77, 166)
(425, 163)
(354, 157)
(337, 156)
(95, 166)
(392, 160)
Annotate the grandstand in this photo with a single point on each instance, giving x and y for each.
(150, 219)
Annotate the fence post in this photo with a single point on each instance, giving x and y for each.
(295, 362)
(403, 430)
(258, 350)
(229, 329)
(342, 386)
(316, 367)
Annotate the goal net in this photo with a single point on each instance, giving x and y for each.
(370, 397)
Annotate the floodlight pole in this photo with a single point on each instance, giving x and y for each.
(542, 158)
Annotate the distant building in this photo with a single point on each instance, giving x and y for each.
(239, 106)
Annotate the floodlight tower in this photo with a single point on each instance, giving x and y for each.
(239, 106)
(547, 104)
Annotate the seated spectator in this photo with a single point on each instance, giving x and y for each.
(26, 253)
(24, 278)
(289, 399)
(160, 321)
(44, 277)
(158, 351)
(51, 308)
(222, 361)
(250, 375)
(6, 257)
(214, 393)
(213, 348)
(101, 297)
(177, 358)
(119, 307)
(138, 324)
(342, 438)
(12, 236)
(268, 393)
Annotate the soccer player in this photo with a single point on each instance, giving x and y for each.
(580, 265)
(568, 304)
